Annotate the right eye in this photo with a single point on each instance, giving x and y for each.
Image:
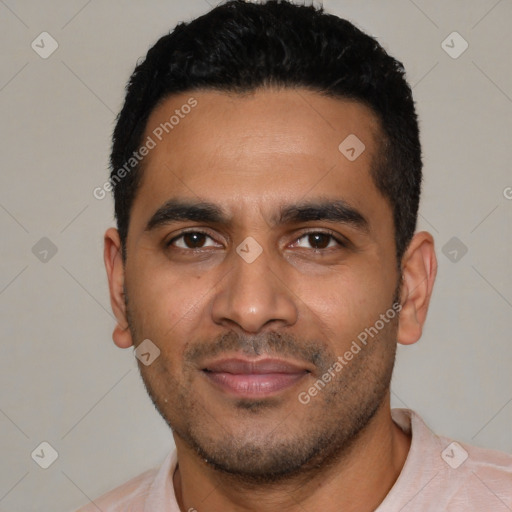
(190, 240)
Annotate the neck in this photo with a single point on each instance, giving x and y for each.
(359, 480)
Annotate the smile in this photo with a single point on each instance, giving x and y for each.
(253, 379)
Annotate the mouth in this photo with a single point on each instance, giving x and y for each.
(254, 378)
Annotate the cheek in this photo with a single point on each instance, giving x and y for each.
(344, 305)
(163, 303)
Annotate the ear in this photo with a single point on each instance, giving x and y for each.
(115, 272)
(419, 269)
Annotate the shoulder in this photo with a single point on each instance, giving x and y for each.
(483, 477)
(489, 466)
(467, 473)
(458, 454)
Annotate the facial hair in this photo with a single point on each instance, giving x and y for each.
(311, 437)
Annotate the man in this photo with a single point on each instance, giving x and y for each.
(266, 169)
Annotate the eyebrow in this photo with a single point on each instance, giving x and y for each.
(337, 211)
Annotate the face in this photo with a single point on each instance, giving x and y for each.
(257, 255)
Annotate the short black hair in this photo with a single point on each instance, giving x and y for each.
(239, 47)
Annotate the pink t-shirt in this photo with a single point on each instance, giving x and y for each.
(439, 475)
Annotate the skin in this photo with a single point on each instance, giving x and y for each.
(304, 298)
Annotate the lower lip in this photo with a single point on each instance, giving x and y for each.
(254, 385)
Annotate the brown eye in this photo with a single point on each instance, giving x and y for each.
(191, 240)
(318, 241)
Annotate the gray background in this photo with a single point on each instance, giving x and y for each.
(63, 381)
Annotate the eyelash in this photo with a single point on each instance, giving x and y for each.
(334, 236)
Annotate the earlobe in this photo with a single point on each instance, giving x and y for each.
(114, 266)
(419, 268)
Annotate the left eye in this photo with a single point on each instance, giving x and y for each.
(319, 240)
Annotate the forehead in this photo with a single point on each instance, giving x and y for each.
(253, 151)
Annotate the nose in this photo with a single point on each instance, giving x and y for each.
(253, 296)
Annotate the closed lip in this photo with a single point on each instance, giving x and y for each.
(254, 378)
(242, 366)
